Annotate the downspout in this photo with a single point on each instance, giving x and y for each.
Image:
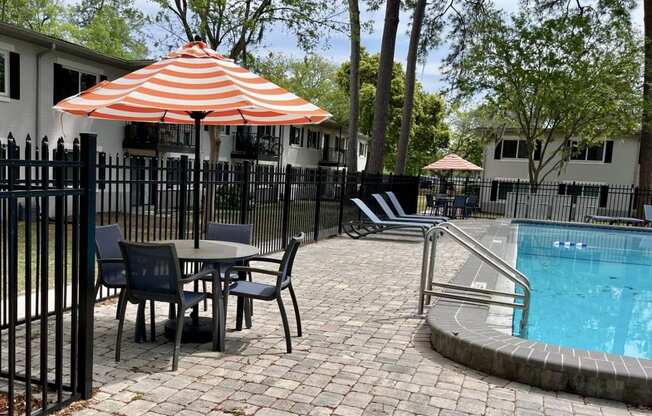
(37, 101)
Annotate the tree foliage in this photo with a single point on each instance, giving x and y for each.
(312, 77)
(237, 26)
(428, 132)
(112, 27)
(554, 75)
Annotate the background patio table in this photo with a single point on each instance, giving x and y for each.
(209, 251)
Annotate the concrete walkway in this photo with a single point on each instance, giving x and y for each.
(363, 351)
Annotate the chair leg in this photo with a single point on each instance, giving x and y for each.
(177, 339)
(121, 312)
(140, 331)
(97, 289)
(152, 319)
(286, 326)
(121, 300)
(238, 313)
(203, 282)
(247, 312)
(295, 304)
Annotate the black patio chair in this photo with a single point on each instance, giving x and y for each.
(471, 205)
(235, 233)
(430, 205)
(153, 273)
(111, 271)
(245, 289)
(441, 205)
(459, 205)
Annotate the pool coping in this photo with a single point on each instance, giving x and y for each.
(460, 332)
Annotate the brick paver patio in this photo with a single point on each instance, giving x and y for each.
(363, 352)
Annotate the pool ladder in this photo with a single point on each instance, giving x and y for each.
(467, 293)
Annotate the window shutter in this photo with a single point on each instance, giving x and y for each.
(14, 76)
(494, 190)
(57, 83)
(608, 151)
(498, 150)
(604, 195)
(103, 78)
(561, 189)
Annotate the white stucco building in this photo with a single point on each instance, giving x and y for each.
(36, 71)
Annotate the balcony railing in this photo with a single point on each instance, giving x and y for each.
(253, 146)
(159, 137)
(332, 156)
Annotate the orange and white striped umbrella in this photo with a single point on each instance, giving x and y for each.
(453, 162)
(193, 78)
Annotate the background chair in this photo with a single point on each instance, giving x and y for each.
(235, 233)
(471, 205)
(459, 205)
(153, 273)
(253, 290)
(111, 272)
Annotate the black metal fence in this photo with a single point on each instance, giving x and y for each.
(557, 201)
(46, 266)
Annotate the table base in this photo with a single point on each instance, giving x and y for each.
(198, 333)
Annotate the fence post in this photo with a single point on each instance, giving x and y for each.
(183, 192)
(570, 211)
(340, 218)
(244, 194)
(86, 266)
(518, 186)
(286, 204)
(318, 191)
(12, 269)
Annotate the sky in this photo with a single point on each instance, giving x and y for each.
(279, 40)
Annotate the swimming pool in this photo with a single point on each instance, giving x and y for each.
(591, 287)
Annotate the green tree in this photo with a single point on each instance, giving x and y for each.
(312, 77)
(44, 16)
(113, 27)
(428, 130)
(556, 76)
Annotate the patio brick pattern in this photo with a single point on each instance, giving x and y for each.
(363, 352)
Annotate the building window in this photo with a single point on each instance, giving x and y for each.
(68, 82)
(362, 149)
(592, 153)
(499, 190)
(601, 192)
(313, 139)
(4, 72)
(226, 130)
(296, 136)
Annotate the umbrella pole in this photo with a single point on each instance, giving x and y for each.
(197, 116)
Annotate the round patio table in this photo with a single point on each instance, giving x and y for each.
(209, 251)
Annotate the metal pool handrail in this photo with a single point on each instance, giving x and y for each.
(470, 294)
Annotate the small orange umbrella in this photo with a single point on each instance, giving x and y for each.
(452, 162)
(194, 84)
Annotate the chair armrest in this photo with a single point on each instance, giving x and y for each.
(227, 272)
(112, 260)
(266, 259)
(199, 275)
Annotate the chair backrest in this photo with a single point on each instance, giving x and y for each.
(107, 238)
(472, 201)
(459, 201)
(395, 202)
(287, 262)
(430, 200)
(647, 210)
(153, 271)
(366, 211)
(383, 205)
(235, 233)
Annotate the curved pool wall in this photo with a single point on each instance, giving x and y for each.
(479, 337)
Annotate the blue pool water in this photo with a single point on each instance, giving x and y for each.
(597, 297)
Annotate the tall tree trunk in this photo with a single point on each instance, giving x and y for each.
(410, 82)
(354, 87)
(381, 103)
(645, 157)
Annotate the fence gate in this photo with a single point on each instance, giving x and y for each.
(47, 215)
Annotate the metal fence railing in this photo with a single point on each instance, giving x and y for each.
(571, 201)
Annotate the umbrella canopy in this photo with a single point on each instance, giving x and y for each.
(453, 162)
(193, 79)
(193, 84)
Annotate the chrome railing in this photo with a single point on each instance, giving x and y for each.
(467, 293)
